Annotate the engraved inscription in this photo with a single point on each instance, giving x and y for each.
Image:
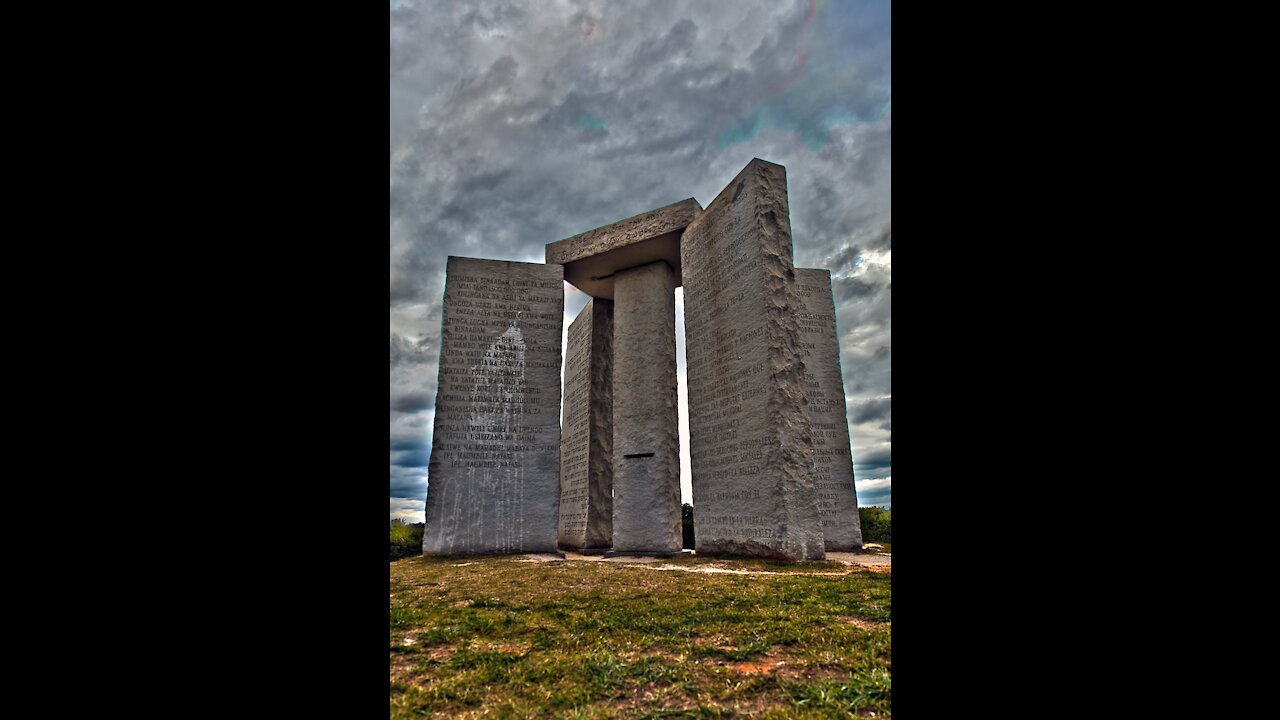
(493, 475)
(750, 435)
(833, 463)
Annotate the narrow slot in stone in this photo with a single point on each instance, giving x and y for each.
(637, 457)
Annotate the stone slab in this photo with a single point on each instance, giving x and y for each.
(751, 436)
(545, 557)
(833, 460)
(646, 420)
(656, 555)
(586, 445)
(592, 259)
(877, 562)
(494, 474)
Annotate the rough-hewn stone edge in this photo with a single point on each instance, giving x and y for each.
(788, 404)
(652, 224)
(598, 536)
(789, 409)
(600, 427)
(565, 541)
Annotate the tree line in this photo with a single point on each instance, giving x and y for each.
(877, 527)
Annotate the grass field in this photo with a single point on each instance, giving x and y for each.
(504, 638)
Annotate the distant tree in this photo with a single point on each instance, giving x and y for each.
(406, 539)
(877, 525)
(689, 537)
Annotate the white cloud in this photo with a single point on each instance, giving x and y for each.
(408, 510)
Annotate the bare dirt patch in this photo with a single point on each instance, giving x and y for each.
(442, 654)
(864, 624)
(505, 648)
(717, 570)
(763, 666)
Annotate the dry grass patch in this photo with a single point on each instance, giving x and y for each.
(504, 638)
(864, 624)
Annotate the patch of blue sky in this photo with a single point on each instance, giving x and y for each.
(846, 79)
(828, 94)
(814, 132)
(587, 121)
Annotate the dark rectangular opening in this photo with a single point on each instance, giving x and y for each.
(637, 457)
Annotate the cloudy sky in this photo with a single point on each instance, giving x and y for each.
(517, 124)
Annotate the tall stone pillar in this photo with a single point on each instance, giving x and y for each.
(646, 429)
(494, 475)
(833, 461)
(751, 435)
(586, 447)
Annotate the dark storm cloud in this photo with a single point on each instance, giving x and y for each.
(408, 484)
(874, 460)
(851, 256)
(409, 460)
(876, 498)
(515, 124)
(409, 444)
(871, 410)
(412, 403)
(847, 289)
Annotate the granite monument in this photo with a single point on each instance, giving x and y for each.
(769, 435)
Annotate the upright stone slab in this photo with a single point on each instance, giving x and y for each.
(752, 441)
(494, 485)
(586, 447)
(646, 419)
(833, 461)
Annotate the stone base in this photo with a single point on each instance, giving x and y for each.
(478, 555)
(664, 555)
(770, 557)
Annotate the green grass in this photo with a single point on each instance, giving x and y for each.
(507, 639)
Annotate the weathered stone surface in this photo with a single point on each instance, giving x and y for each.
(586, 446)
(752, 441)
(593, 259)
(833, 461)
(646, 431)
(494, 485)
